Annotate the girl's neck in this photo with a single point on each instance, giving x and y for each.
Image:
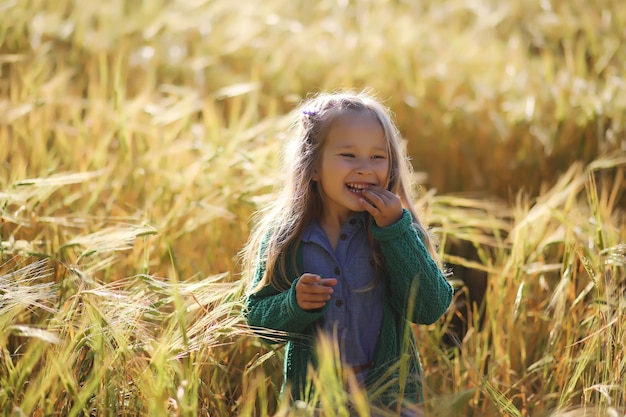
(331, 225)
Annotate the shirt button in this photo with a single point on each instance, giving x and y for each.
(372, 262)
(343, 236)
(339, 302)
(352, 221)
(337, 271)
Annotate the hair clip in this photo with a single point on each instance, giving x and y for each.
(309, 113)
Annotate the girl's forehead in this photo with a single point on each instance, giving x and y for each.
(356, 130)
(356, 121)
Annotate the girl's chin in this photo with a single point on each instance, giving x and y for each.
(357, 208)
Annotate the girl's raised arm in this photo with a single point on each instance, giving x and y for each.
(417, 284)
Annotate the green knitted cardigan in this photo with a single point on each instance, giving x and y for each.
(414, 290)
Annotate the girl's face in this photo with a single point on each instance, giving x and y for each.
(354, 157)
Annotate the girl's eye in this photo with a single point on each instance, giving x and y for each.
(347, 155)
(379, 157)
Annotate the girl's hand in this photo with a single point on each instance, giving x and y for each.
(312, 291)
(383, 205)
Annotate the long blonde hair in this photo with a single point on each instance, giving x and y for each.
(281, 225)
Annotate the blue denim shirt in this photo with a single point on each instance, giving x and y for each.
(354, 313)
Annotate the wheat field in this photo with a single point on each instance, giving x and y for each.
(137, 139)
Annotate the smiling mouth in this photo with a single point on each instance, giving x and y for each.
(358, 187)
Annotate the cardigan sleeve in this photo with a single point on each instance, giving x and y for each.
(269, 310)
(418, 288)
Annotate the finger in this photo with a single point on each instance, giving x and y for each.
(311, 302)
(372, 200)
(373, 210)
(374, 197)
(385, 194)
(315, 289)
(328, 282)
(309, 278)
(311, 297)
(376, 189)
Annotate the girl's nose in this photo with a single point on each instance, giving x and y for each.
(364, 169)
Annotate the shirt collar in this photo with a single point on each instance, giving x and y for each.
(314, 232)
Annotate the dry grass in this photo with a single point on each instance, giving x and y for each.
(137, 138)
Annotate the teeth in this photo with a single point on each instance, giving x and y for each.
(356, 187)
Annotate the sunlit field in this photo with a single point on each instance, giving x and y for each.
(137, 139)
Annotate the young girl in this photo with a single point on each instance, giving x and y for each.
(342, 250)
